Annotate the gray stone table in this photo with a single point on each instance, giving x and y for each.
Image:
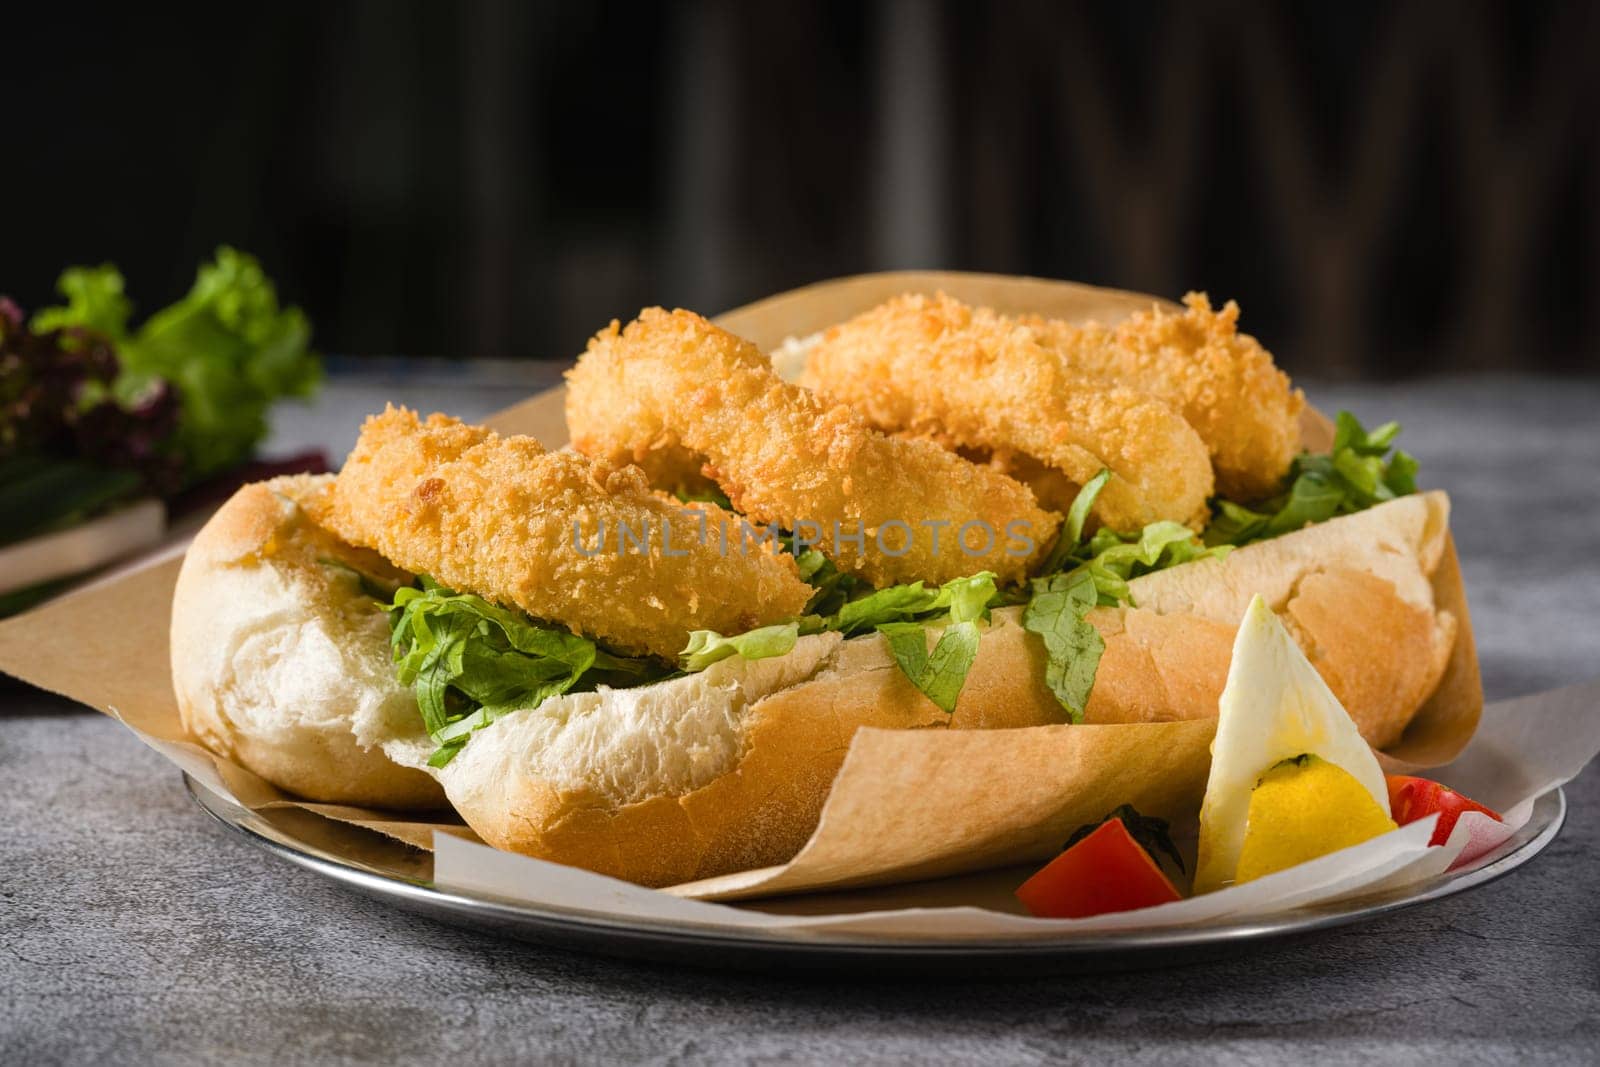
(135, 930)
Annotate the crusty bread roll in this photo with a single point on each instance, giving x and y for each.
(1355, 592)
(279, 661)
(721, 771)
(281, 664)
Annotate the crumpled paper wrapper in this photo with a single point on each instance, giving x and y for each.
(1526, 748)
(906, 806)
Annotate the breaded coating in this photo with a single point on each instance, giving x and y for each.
(970, 377)
(673, 389)
(495, 516)
(1222, 381)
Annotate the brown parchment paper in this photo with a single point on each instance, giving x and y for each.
(905, 805)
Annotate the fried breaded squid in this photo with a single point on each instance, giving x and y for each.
(978, 381)
(496, 516)
(1222, 381)
(672, 390)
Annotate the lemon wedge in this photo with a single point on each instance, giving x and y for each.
(1305, 808)
(1274, 707)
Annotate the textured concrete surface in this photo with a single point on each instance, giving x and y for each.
(134, 930)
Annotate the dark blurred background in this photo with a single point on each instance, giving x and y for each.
(1387, 190)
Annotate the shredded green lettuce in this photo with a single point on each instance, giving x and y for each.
(1080, 575)
(1356, 473)
(1070, 539)
(706, 647)
(902, 613)
(882, 607)
(1056, 612)
(961, 604)
(470, 662)
(834, 587)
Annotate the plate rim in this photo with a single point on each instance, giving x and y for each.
(425, 896)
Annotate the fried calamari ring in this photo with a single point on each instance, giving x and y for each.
(497, 516)
(934, 366)
(1222, 381)
(672, 390)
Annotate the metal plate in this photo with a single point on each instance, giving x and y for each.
(402, 876)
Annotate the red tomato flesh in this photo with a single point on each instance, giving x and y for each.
(1105, 872)
(1411, 799)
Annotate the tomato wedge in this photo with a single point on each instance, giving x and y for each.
(1411, 799)
(1104, 872)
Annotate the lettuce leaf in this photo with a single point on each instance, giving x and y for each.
(470, 661)
(1114, 559)
(941, 674)
(1073, 646)
(95, 301)
(227, 347)
(706, 647)
(881, 607)
(834, 587)
(1071, 536)
(843, 603)
(1356, 473)
(1080, 575)
(902, 613)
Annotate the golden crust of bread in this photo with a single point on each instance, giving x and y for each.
(1381, 656)
(761, 811)
(278, 661)
(1357, 594)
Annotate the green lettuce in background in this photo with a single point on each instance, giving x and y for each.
(227, 347)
